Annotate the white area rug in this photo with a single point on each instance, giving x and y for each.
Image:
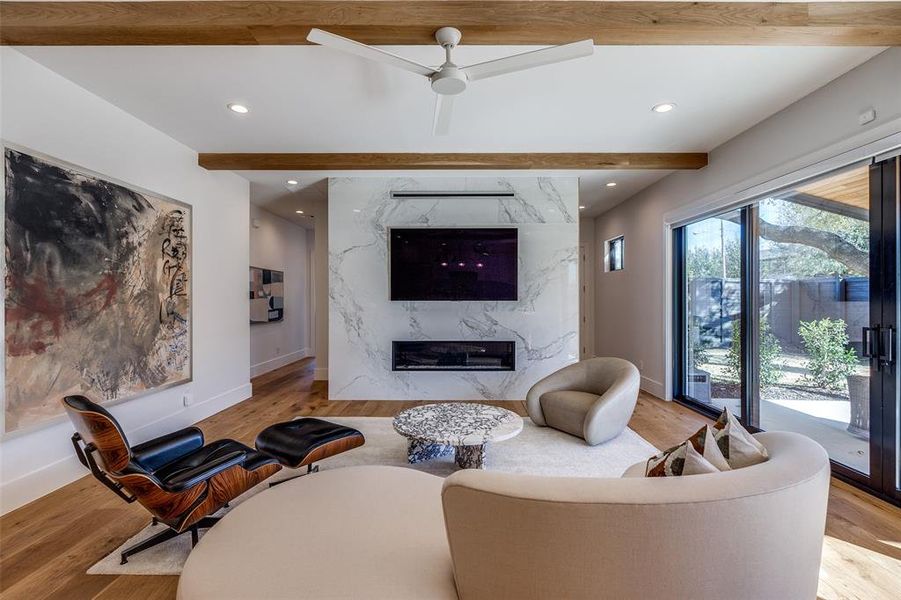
(536, 451)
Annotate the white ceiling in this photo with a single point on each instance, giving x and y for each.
(312, 99)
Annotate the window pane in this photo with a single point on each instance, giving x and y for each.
(814, 302)
(615, 248)
(713, 306)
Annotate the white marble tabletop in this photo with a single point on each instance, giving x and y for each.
(458, 423)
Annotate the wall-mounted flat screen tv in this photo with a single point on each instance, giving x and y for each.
(453, 264)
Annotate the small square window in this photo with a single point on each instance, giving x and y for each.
(613, 254)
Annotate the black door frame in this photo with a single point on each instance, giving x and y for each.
(747, 301)
(882, 480)
(884, 400)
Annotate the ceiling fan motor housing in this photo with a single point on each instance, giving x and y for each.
(450, 80)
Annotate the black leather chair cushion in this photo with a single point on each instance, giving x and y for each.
(255, 459)
(201, 464)
(160, 451)
(292, 442)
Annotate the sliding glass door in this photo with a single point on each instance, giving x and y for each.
(814, 277)
(713, 311)
(786, 311)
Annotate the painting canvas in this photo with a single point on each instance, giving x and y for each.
(98, 289)
(267, 295)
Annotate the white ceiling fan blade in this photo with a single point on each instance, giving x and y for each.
(324, 38)
(444, 109)
(527, 60)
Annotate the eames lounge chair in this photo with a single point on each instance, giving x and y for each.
(177, 478)
(592, 399)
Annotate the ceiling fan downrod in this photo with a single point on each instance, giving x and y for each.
(449, 79)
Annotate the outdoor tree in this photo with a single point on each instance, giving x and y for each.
(705, 261)
(818, 242)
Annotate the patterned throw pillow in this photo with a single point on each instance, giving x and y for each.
(698, 454)
(740, 448)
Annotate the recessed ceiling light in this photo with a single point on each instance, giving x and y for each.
(356, 210)
(581, 207)
(663, 107)
(291, 182)
(611, 184)
(238, 108)
(300, 212)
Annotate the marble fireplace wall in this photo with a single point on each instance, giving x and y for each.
(363, 321)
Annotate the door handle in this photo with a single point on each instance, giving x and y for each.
(887, 346)
(867, 350)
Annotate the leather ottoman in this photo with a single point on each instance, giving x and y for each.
(303, 441)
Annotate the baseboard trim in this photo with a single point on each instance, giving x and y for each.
(209, 407)
(278, 361)
(19, 492)
(652, 387)
(27, 488)
(320, 374)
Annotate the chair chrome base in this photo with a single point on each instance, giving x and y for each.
(166, 535)
(310, 469)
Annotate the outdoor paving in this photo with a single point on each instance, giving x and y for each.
(794, 404)
(824, 421)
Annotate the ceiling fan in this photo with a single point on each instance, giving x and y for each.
(448, 80)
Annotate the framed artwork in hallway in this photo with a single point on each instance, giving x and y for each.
(98, 289)
(267, 295)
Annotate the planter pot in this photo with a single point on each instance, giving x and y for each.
(699, 383)
(859, 391)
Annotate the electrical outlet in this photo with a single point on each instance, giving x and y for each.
(188, 399)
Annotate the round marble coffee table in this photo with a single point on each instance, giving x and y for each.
(436, 430)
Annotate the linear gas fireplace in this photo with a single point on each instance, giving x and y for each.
(453, 356)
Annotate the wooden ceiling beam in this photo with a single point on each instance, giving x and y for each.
(382, 161)
(497, 22)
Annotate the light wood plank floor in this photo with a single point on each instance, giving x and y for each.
(46, 546)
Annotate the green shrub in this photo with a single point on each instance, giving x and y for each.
(830, 359)
(770, 350)
(733, 359)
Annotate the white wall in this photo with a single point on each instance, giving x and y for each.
(587, 279)
(49, 114)
(276, 243)
(631, 305)
(363, 321)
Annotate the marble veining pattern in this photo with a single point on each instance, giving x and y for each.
(436, 430)
(363, 321)
(458, 424)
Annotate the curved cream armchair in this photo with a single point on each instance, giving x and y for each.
(592, 399)
(751, 533)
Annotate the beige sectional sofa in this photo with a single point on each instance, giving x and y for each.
(389, 532)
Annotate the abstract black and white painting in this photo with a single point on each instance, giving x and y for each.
(98, 289)
(267, 295)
